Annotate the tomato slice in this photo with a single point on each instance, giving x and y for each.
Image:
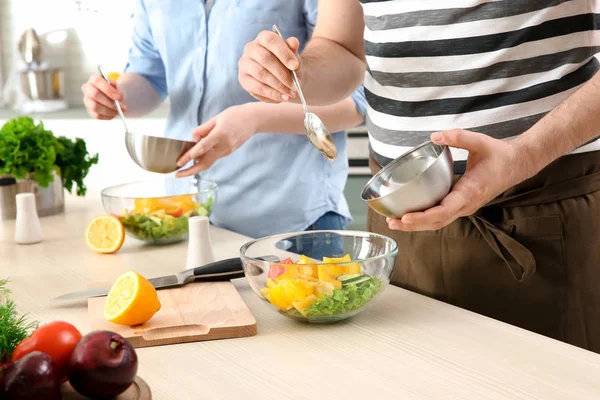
(277, 269)
(177, 213)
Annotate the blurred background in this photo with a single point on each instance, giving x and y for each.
(49, 48)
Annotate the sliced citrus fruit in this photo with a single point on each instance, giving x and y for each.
(113, 76)
(132, 300)
(105, 234)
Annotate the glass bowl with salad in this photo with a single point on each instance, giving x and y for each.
(320, 276)
(158, 211)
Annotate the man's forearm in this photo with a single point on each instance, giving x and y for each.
(333, 61)
(289, 118)
(572, 124)
(330, 72)
(140, 96)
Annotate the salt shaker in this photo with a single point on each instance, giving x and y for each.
(27, 229)
(199, 246)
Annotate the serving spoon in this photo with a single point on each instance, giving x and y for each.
(152, 153)
(116, 102)
(315, 129)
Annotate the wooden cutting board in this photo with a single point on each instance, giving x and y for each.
(194, 312)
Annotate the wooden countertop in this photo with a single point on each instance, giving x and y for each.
(405, 347)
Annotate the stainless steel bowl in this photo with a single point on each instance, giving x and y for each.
(47, 84)
(415, 181)
(49, 200)
(154, 153)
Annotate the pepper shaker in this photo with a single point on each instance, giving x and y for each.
(199, 245)
(27, 229)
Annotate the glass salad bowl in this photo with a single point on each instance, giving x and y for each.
(320, 276)
(158, 211)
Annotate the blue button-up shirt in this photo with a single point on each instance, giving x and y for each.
(273, 183)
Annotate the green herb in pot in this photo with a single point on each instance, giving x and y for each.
(30, 151)
(27, 149)
(74, 162)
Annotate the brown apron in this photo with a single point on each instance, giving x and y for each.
(530, 258)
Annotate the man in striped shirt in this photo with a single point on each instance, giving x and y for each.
(513, 88)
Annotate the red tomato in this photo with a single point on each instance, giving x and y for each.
(178, 213)
(57, 339)
(276, 269)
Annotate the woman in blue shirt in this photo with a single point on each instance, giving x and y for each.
(271, 180)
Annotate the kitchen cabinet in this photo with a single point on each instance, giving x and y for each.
(358, 208)
(358, 176)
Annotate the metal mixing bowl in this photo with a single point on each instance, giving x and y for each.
(415, 181)
(154, 153)
(326, 290)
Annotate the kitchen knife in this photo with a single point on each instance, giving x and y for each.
(223, 270)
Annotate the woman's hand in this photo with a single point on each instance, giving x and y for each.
(218, 137)
(99, 97)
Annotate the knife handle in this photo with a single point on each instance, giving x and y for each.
(223, 270)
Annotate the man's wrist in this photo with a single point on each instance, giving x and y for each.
(532, 154)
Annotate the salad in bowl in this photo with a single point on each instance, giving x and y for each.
(158, 212)
(320, 276)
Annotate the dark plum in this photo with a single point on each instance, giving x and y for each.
(34, 376)
(102, 365)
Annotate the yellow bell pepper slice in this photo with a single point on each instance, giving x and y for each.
(271, 283)
(309, 269)
(302, 306)
(337, 270)
(283, 294)
(291, 272)
(329, 273)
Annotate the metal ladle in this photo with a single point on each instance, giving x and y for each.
(152, 153)
(316, 131)
(116, 102)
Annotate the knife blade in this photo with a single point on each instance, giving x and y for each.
(223, 270)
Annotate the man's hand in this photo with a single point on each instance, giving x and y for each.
(264, 67)
(493, 166)
(99, 96)
(218, 137)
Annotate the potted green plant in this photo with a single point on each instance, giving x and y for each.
(33, 159)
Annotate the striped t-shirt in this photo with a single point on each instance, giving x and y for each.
(494, 67)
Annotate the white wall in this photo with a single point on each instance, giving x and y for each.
(106, 138)
(97, 31)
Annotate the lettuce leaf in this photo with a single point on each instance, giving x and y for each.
(346, 299)
(28, 150)
(151, 228)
